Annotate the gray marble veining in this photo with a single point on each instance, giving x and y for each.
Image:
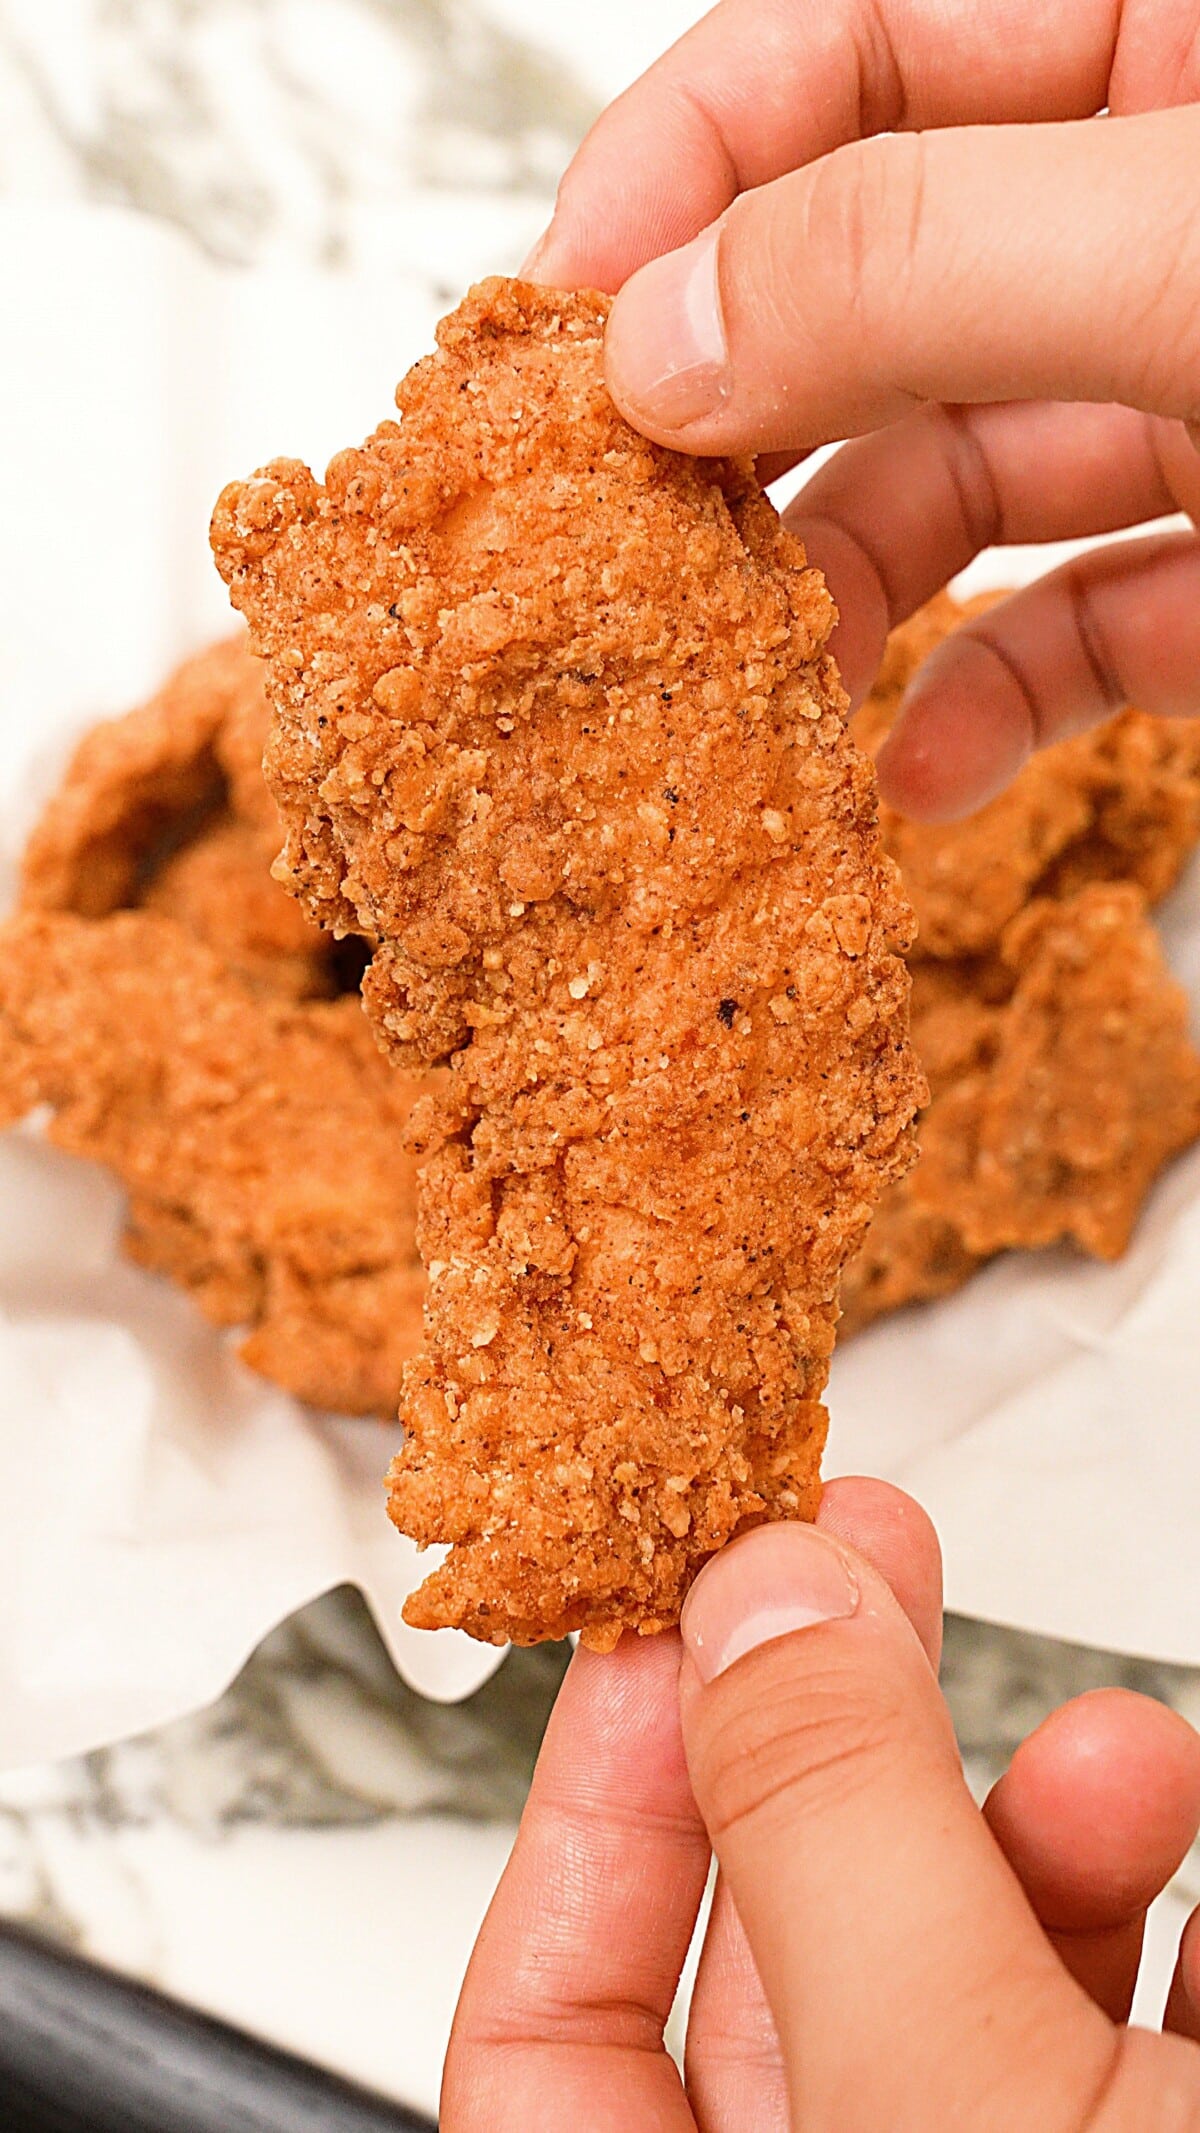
(317, 1731)
(267, 130)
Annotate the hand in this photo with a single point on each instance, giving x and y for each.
(883, 219)
(922, 1964)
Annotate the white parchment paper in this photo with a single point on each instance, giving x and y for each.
(161, 1508)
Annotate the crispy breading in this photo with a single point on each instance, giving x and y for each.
(261, 1141)
(911, 1254)
(219, 888)
(1062, 1079)
(133, 782)
(166, 808)
(1121, 802)
(1092, 1085)
(555, 723)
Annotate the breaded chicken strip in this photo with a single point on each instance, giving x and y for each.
(262, 1142)
(165, 808)
(1062, 1079)
(556, 725)
(1092, 1084)
(1119, 803)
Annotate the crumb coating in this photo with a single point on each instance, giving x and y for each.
(556, 726)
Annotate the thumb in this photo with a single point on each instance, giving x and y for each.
(983, 263)
(907, 1976)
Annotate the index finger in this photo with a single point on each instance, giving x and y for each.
(760, 87)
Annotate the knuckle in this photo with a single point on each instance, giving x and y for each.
(812, 1743)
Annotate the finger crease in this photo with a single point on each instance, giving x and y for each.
(1097, 2104)
(690, 98)
(974, 482)
(1112, 691)
(634, 2025)
(1037, 733)
(882, 90)
(897, 608)
(621, 1818)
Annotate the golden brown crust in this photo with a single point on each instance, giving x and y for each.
(132, 781)
(555, 723)
(218, 886)
(165, 809)
(1090, 1085)
(261, 1142)
(1055, 1042)
(1056, 1099)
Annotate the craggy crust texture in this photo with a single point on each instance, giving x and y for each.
(261, 1141)
(1062, 1079)
(1088, 1085)
(246, 1110)
(166, 808)
(1061, 1074)
(555, 723)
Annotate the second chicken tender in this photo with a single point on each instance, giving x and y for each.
(165, 809)
(1088, 1086)
(556, 724)
(261, 1141)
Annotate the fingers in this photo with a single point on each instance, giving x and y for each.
(1183, 2001)
(1094, 1815)
(978, 264)
(761, 86)
(903, 1967)
(893, 517)
(734, 2064)
(1116, 626)
(577, 1963)
(898, 1537)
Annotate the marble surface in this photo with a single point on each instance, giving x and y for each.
(311, 1856)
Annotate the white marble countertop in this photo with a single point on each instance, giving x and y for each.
(310, 1857)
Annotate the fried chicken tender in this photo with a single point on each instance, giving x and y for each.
(192, 1041)
(1121, 802)
(1092, 1084)
(556, 726)
(261, 1141)
(166, 808)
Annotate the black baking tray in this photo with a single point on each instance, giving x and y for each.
(85, 2051)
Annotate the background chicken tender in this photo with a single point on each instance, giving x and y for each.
(166, 808)
(1061, 1074)
(555, 724)
(261, 1141)
(1088, 1084)
(165, 811)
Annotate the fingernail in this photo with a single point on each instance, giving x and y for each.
(668, 353)
(771, 1582)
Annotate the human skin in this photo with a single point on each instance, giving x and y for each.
(922, 1962)
(1000, 303)
(903, 223)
